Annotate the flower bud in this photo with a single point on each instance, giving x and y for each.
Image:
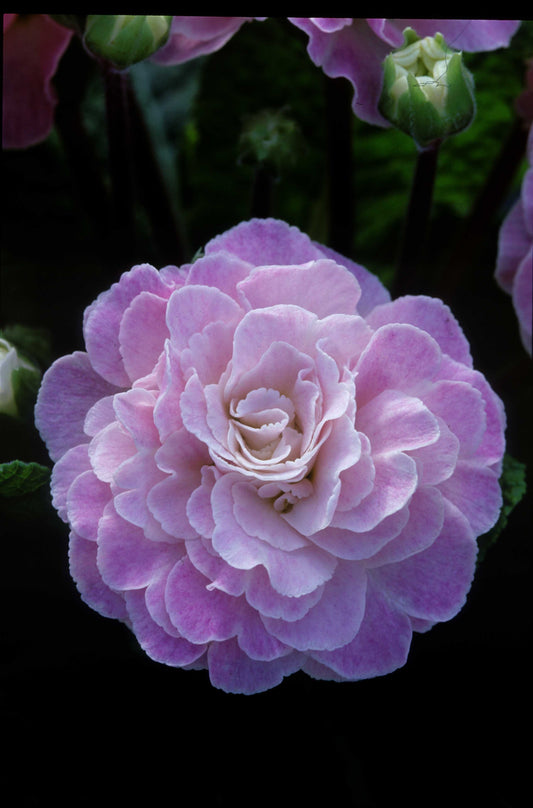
(12, 368)
(124, 39)
(427, 91)
(270, 138)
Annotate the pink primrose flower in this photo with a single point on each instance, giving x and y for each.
(356, 48)
(33, 46)
(514, 264)
(196, 36)
(269, 466)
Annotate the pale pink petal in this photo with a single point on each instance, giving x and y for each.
(304, 286)
(192, 308)
(393, 421)
(373, 293)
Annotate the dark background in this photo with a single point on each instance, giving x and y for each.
(85, 714)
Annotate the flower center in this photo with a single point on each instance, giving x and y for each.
(263, 428)
(427, 61)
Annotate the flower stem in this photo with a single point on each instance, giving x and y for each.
(416, 222)
(482, 217)
(339, 117)
(262, 192)
(120, 153)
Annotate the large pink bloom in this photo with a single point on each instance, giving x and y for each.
(33, 46)
(356, 48)
(268, 466)
(514, 265)
(197, 36)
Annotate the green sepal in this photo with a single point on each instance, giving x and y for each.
(124, 40)
(18, 478)
(513, 486)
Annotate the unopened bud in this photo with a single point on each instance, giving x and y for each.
(427, 91)
(124, 39)
(14, 370)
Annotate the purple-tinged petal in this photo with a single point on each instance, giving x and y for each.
(191, 37)
(231, 670)
(109, 449)
(380, 646)
(269, 603)
(434, 583)
(69, 389)
(476, 492)
(33, 46)
(358, 546)
(73, 463)
(221, 270)
(86, 500)
(467, 35)
(262, 242)
(395, 482)
(142, 334)
(155, 641)
(126, 558)
(102, 320)
(200, 613)
(399, 356)
(181, 456)
(334, 620)
(430, 315)
(212, 566)
(94, 592)
(425, 520)
(462, 409)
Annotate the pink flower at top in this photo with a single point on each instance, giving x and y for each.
(356, 48)
(267, 466)
(33, 46)
(514, 265)
(196, 36)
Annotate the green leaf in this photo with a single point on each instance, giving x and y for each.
(18, 478)
(513, 485)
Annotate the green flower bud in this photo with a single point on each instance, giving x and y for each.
(19, 379)
(124, 39)
(427, 91)
(270, 138)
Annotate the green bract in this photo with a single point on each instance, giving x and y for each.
(124, 39)
(427, 91)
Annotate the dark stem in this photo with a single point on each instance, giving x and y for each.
(120, 155)
(339, 118)
(169, 241)
(416, 223)
(488, 203)
(262, 192)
